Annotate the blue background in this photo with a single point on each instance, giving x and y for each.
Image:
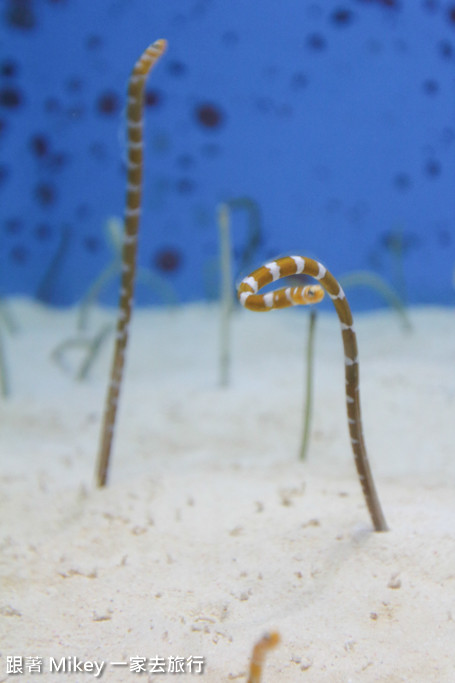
(336, 118)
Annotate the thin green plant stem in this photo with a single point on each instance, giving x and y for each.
(112, 270)
(158, 284)
(226, 294)
(360, 278)
(8, 318)
(308, 412)
(94, 348)
(114, 234)
(251, 207)
(91, 347)
(44, 289)
(4, 375)
(227, 283)
(397, 249)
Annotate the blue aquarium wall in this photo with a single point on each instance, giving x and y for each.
(334, 121)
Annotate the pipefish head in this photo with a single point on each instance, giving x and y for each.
(310, 294)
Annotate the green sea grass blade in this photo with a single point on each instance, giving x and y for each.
(308, 386)
(363, 278)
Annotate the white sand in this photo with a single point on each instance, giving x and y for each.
(210, 531)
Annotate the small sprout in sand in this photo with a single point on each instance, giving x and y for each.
(267, 642)
(394, 581)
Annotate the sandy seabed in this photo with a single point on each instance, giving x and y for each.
(211, 531)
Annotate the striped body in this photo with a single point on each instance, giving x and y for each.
(135, 105)
(291, 265)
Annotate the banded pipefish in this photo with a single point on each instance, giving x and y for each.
(135, 106)
(289, 296)
(267, 642)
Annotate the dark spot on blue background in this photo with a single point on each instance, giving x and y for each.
(185, 186)
(316, 42)
(209, 115)
(431, 6)
(8, 68)
(394, 240)
(39, 145)
(176, 68)
(445, 49)
(19, 254)
(13, 226)
(98, 150)
(342, 16)
(56, 161)
(402, 181)
(74, 84)
(2, 126)
(91, 244)
(299, 81)
(430, 86)
(51, 105)
(45, 194)
(93, 42)
(20, 14)
(185, 161)
(4, 173)
(153, 98)
(451, 14)
(390, 4)
(108, 103)
(433, 168)
(43, 232)
(168, 259)
(284, 110)
(10, 97)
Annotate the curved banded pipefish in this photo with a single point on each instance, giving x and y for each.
(135, 106)
(266, 643)
(284, 297)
